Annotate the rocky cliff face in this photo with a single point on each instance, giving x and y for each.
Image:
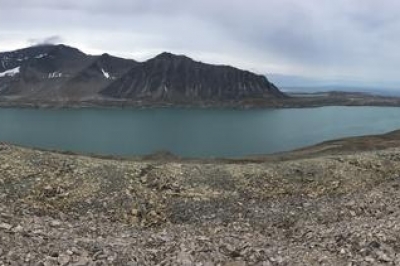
(171, 77)
(58, 73)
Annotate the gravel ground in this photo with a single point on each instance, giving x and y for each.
(58, 209)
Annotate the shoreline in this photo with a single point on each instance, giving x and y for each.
(328, 99)
(340, 146)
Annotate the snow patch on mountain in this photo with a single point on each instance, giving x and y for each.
(55, 75)
(40, 56)
(10, 72)
(105, 74)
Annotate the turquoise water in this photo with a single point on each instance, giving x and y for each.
(190, 132)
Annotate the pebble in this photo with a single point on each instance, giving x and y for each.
(235, 263)
(64, 260)
(82, 261)
(369, 259)
(383, 256)
(18, 229)
(55, 223)
(5, 226)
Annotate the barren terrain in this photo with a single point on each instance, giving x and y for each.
(337, 203)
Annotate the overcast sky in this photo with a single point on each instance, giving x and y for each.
(351, 41)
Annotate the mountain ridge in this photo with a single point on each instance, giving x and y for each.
(62, 74)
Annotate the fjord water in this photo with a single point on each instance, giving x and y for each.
(190, 132)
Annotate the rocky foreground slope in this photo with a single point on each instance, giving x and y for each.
(59, 209)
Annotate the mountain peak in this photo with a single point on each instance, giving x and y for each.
(171, 56)
(49, 47)
(178, 78)
(65, 49)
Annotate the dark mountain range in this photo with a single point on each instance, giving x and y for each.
(62, 74)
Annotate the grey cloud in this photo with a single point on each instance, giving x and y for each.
(55, 39)
(317, 38)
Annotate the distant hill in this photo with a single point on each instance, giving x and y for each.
(63, 74)
(299, 84)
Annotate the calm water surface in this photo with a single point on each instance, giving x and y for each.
(190, 132)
